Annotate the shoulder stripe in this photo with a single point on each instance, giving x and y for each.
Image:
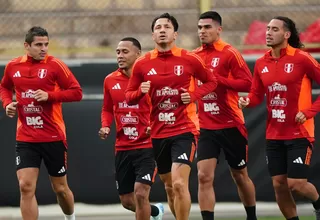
(63, 66)
(314, 61)
(197, 57)
(237, 56)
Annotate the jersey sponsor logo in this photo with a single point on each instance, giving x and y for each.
(288, 67)
(210, 96)
(152, 72)
(168, 105)
(167, 91)
(124, 104)
(131, 132)
(265, 70)
(29, 94)
(31, 108)
(277, 87)
(167, 118)
(129, 119)
(36, 122)
(215, 62)
(213, 108)
(42, 73)
(17, 74)
(279, 115)
(178, 70)
(278, 101)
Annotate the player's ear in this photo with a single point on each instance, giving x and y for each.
(287, 34)
(138, 53)
(175, 35)
(26, 45)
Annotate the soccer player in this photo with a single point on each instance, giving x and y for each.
(167, 74)
(284, 75)
(135, 165)
(221, 121)
(41, 83)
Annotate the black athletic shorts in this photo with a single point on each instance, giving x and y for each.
(134, 166)
(291, 157)
(230, 140)
(54, 155)
(175, 149)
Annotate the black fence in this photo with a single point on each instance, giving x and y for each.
(91, 160)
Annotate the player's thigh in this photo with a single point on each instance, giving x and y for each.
(144, 166)
(183, 148)
(235, 147)
(125, 173)
(55, 155)
(208, 147)
(28, 155)
(162, 154)
(276, 156)
(298, 157)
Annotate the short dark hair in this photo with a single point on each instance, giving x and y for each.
(212, 15)
(134, 41)
(35, 31)
(294, 39)
(169, 17)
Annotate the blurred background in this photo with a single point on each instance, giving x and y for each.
(91, 29)
(84, 34)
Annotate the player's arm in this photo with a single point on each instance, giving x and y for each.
(204, 75)
(107, 111)
(241, 79)
(6, 90)
(136, 88)
(70, 90)
(256, 94)
(313, 72)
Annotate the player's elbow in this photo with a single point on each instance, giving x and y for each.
(78, 95)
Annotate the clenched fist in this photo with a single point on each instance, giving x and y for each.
(11, 109)
(243, 102)
(145, 87)
(104, 132)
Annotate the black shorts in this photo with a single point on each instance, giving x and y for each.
(54, 155)
(231, 140)
(134, 166)
(175, 149)
(291, 157)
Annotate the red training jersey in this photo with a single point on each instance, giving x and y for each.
(286, 81)
(171, 73)
(39, 121)
(131, 120)
(219, 109)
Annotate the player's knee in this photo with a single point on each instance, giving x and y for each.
(27, 187)
(60, 189)
(179, 187)
(240, 177)
(296, 185)
(141, 195)
(205, 178)
(280, 184)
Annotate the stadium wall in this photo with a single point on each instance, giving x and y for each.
(91, 160)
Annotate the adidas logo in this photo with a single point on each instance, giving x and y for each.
(298, 160)
(265, 70)
(62, 170)
(147, 177)
(17, 74)
(241, 163)
(152, 72)
(183, 156)
(116, 86)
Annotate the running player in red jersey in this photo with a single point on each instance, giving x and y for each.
(167, 74)
(134, 162)
(284, 74)
(221, 121)
(41, 83)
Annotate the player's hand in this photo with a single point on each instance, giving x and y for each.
(145, 87)
(148, 130)
(11, 109)
(104, 132)
(300, 118)
(41, 96)
(243, 102)
(185, 96)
